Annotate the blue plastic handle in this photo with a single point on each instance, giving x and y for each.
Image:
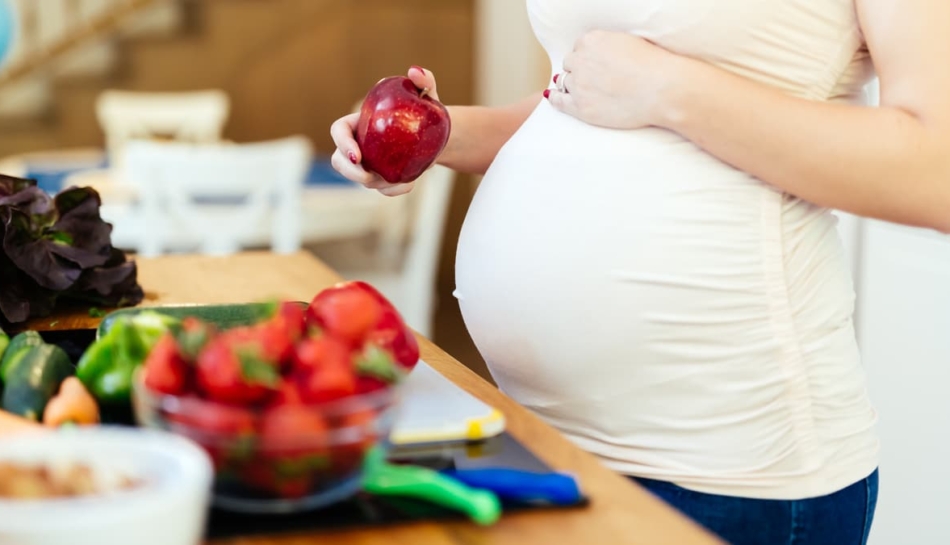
(521, 486)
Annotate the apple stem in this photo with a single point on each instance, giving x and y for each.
(424, 93)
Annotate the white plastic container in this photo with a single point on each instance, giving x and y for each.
(170, 508)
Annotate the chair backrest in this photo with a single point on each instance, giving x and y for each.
(222, 196)
(191, 116)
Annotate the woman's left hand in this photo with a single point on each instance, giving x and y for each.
(615, 80)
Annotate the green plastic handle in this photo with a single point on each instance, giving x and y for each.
(385, 479)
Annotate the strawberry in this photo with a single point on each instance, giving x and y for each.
(193, 336)
(323, 366)
(277, 335)
(315, 353)
(232, 371)
(361, 433)
(327, 384)
(374, 362)
(345, 311)
(365, 385)
(273, 341)
(293, 432)
(392, 335)
(165, 369)
(288, 393)
(226, 432)
(291, 318)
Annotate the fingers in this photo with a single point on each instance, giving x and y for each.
(395, 190)
(570, 62)
(562, 101)
(342, 131)
(347, 157)
(353, 172)
(560, 81)
(423, 79)
(370, 180)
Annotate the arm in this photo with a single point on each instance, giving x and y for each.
(478, 132)
(890, 163)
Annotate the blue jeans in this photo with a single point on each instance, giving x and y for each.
(841, 518)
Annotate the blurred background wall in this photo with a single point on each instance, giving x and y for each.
(287, 66)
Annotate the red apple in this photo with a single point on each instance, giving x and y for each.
(401, 130)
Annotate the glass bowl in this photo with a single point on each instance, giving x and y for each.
(314, 459)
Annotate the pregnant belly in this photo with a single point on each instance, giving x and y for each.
(602, 269)
(668, 313)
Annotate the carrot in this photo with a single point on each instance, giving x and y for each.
(73, 404)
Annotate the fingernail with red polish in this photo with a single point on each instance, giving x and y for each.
(546, 93)
(352, 157)
(555, 77)
(417, 67)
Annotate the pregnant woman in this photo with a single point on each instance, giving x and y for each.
(650, 263)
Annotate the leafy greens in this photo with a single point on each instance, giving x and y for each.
(58, 248)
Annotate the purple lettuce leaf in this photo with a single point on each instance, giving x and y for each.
(78, 223)
(57, 248)
(115, 283)
(10, 185)
(34, 253)
(20, 296)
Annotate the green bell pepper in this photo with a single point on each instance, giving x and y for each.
(107, 366)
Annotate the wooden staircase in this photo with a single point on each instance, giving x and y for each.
(69, 44)
(80, 32)
(289, 66)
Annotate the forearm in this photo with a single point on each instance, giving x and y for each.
(877, 162)
(478, 132)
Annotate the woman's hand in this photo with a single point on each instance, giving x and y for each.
(347, 157)
(615, 80)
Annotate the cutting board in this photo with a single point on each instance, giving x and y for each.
(434, 410)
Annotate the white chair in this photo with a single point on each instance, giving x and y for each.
(413, 228)
(190, 116)
(215, 198)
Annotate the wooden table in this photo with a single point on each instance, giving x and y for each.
(620, 511)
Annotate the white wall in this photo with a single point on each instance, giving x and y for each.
(904, 318)
(510, 62)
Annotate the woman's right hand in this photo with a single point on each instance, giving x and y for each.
(347, 158)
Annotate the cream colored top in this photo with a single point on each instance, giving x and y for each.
(673, 315)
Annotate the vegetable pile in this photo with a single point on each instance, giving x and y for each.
(286, 402)
(107, 366)
(37, 383)
(57, 248)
